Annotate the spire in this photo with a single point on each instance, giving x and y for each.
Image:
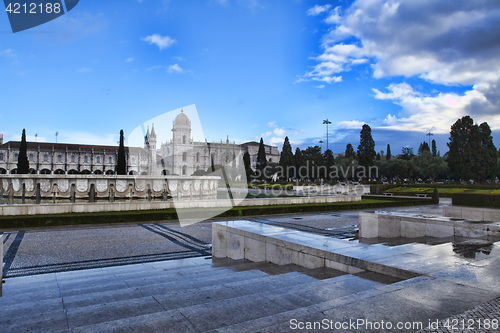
(153, 134)
(182, 110)
(147, 133)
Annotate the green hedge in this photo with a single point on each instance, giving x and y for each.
(476, 200)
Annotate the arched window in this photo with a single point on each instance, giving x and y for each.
(45, 157)
(85, 159)
(32, 158)
(98, 159)
(110, 160)
(1, 156)
(184, 170)
(59, 158)
(184, 139)
(184, 157)
(197, 157)
(73, 159)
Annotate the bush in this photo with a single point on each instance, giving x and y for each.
(476, 200)
(435, 196)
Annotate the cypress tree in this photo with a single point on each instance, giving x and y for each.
(388, 156)
(286, 159)
(23, 166)
(349, 151)
(261, 159)
(248, 166)
(433, 148)
(121, 165)
(366, 148)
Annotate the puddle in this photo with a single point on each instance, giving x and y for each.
(473, 248)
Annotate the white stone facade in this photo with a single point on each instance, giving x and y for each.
(180, 156)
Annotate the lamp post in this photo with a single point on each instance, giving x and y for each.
(321, 143)
(57, 133)
(326, 122)
(429, 135)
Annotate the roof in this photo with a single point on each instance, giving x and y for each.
(253, 143)
(62, 146)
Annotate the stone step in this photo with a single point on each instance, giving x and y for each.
(280, 322)
(204, 308)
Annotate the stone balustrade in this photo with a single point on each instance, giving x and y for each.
(106, 187)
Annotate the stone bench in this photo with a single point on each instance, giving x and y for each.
(389, 194)
(421, 195)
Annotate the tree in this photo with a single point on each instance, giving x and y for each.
(314, 161)
(121, 164)
(329, 162)
(23, 165)
(429, 166)
(366, 148)
(424, 146)
(433, 148)
(471, 152)
(388, 156)
(261, 159)
(248, 166)
(406, 153)
(299, 163)
(349, 151)
(286, 159)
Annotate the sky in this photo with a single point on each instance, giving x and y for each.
(255, 68)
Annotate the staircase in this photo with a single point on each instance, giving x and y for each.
(188, 295)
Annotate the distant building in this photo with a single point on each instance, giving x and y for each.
(181, 155)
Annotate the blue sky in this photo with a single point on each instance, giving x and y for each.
(255, 68)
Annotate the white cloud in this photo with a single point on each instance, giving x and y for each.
(421, 112)
(317, 9)
(279, 132)
(444, 42)
(271, 124)
(129, 59)
(266, 134)
(175, 68)
(351, 124)
(161, 41)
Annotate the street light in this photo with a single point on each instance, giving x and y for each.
(321, 143)
(326, 122)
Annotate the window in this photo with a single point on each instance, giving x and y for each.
(197, 157)
(133, 160)
(16, 156)
(184, 139)
(184, 157)
(98, 159)
(32, 158)
(73, 159)
(184, 170)
(59, 158)
(110, 160)
(85, 159)
(45, 157)
(1, 156)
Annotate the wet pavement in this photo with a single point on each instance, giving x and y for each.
(29, 252)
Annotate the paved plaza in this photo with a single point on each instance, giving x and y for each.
(123, 279)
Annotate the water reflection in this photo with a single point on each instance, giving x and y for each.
(473, 248)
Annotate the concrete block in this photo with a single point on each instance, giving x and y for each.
(492, 215)
(235, 246)
(342, 267)
(368, 225)
(453, 211)
(307, 260)
(278, 255)
(438, 230)
(471, 213)
(219, 241)
(470, 232)
(255, 250)
(389, 226)
(411, 229)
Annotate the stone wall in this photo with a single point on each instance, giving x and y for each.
(106, 186)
